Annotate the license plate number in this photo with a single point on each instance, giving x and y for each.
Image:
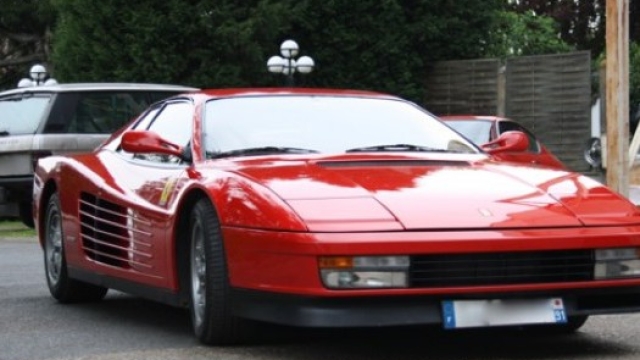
(501, 312)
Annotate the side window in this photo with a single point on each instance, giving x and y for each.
(173, 122)
(143, 123)
(22, 114)
(105, 112)
(513, 126)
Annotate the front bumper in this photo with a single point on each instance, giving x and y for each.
(383, 311)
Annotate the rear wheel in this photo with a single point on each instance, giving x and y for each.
(211, 315)
(63, 288)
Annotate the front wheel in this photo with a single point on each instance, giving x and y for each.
(212, 319)
(62, 287)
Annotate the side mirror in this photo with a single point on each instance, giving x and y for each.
(512, 141)
(145, 142)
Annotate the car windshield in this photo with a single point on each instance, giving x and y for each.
(324, 124)
(22, 115)
(477, 131)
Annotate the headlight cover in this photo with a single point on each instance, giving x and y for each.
(364, 272)
(617, 263)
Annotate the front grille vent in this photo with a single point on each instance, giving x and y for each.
(501, 268)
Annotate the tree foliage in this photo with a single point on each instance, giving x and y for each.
(388, 44)
(25, 30)
(202, 43)
(518, 34)
(582, 22)
(378, 44)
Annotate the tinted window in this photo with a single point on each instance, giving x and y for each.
(98, 112)
(22, 115)
(157, 96)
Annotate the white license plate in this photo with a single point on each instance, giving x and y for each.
(482, 313)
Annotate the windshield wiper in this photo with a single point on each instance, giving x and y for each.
(396, 147)
(265, 150)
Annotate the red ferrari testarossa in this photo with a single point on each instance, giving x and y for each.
(330, 208)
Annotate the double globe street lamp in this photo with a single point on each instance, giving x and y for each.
(287, 64)
(38, 76)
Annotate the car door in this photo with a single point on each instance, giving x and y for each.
(141, 187)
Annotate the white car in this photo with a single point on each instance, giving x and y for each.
(63, 118)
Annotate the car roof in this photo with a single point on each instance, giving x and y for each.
(472, 117)
(75, 87)
(243, 92)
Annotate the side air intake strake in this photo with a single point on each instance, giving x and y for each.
(109, 234)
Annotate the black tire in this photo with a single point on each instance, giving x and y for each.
(62, 287)
(209, 289)
(573, 324)
(26, 214)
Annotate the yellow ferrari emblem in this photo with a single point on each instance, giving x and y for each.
(166, 191)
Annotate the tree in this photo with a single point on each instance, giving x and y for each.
(200, 43)
(517, 34)
(387, 45)
(369, 44)
(581, 23)
(25, 31)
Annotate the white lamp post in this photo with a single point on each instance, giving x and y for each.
(38, 76)
(287, 64)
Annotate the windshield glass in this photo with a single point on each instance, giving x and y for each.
(478, 131)
(19, 116)
(324, 124)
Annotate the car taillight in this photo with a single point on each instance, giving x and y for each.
(37, 155)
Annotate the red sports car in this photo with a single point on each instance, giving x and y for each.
(485, 130)
(330, 208)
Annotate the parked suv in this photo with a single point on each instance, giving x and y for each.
(45, 120)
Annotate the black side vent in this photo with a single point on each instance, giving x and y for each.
(103, 230)
(399, 163)
(501, 268)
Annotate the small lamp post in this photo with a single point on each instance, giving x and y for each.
(38, 76)
(287, 64)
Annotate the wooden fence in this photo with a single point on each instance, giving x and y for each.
(549, 94)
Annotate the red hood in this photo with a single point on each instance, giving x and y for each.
(443, 193)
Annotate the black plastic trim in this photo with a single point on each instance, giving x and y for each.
(149, 292)
(408, 310)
